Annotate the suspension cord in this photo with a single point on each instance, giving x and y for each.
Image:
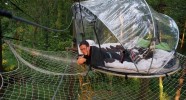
(20, 9)
(98, 39)
(1, 82)
(7, 37)
(11, 38)
(81, 18)
(10, 16)
(57, 89)
(96, 34)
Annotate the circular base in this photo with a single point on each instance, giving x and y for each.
(165, 71)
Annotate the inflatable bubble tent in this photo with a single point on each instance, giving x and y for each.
(149, 38)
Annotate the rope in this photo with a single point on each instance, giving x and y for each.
(38, 25)
(12, 38)
(97, 39)
(43, 55)
(1, 81)
(81, 18)
(58, 86)
(20, 9)
(10, 16)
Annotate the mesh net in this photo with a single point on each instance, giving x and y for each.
(40, 77)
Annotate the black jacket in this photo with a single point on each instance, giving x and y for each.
(96, 57)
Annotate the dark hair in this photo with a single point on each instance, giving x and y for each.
(84, 42)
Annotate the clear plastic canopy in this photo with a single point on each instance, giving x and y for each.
(132, 24)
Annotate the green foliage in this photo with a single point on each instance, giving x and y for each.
(165, 96)
(174, 8)
(9, 61)
(57, 14)
(50, 13)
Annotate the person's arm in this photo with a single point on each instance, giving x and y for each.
(81, 60)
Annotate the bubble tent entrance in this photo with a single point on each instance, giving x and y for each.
(53, 75)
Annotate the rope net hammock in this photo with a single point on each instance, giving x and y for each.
(131, 29)
(44, 75)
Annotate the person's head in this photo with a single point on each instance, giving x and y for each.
(84, 47)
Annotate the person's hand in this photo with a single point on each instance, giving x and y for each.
(81, 60)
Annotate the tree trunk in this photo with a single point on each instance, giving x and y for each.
(181, 83)
(183, 36)
(161, 87)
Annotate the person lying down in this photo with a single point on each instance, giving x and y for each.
(115, 56)
(95, 56)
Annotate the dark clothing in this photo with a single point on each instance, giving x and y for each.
(88, 59)
(97, 56)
